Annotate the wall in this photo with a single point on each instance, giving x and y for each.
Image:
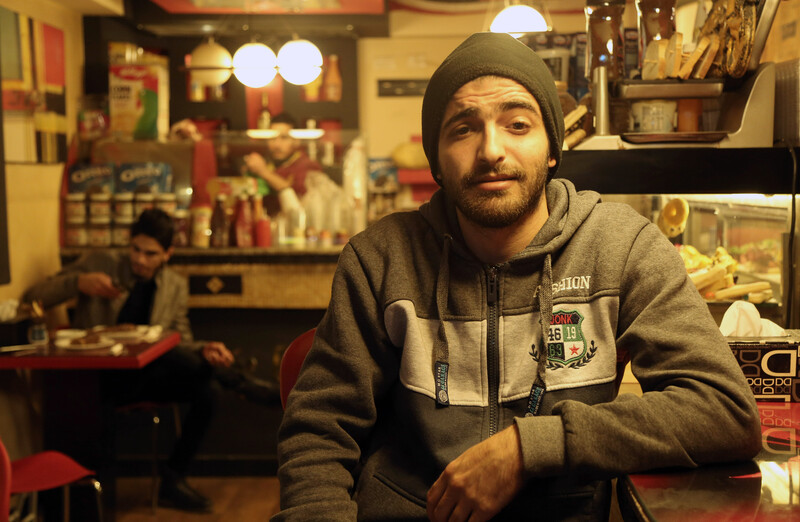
(419, 42)
(32, 211)
(32, 189)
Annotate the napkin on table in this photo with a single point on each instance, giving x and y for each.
(742, 319)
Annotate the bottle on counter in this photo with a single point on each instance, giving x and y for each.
(332, 86)
(656, 22)
(201, 226)
(219, 224)
(181, 222)
(262, 228)
(264, 117)
(242, 223)
(604, 37)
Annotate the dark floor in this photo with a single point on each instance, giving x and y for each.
(235, 498)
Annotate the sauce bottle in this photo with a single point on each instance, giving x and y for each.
(262, 228)
(242, 225)
(219, 223)
(332, 87)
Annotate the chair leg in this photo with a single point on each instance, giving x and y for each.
(65, 490)
(98, 491)
(176, 416)
(154, 464)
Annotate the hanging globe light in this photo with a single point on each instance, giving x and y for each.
(215, 58)
(517, 20)
(254, 64)
(299, 62)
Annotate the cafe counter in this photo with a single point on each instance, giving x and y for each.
(257, 278)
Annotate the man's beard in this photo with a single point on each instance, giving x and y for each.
(498, 209)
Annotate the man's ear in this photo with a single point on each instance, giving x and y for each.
(551, 163)
(169, 253)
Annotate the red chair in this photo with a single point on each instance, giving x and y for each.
(39, 472)
(292, 361)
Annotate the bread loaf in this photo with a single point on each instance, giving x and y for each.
(708, 58)
(654, 66)
(686, 68)
(674, 53)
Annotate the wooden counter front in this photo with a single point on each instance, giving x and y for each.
(264, 278)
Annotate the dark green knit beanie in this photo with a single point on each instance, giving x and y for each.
(497, 54)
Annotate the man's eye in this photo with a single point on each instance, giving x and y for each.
(461, 130)
(519, 125)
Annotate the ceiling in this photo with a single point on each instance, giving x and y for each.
(336, 18)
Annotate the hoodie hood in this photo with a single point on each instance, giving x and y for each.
(568, 209)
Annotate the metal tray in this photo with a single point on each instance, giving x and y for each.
(669, 88)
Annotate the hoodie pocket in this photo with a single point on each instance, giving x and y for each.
(380, 498)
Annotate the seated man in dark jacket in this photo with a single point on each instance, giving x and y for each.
(138, 288)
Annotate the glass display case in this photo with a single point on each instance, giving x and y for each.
(742, 200)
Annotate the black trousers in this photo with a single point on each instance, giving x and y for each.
(180, 375)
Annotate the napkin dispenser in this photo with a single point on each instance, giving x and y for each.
(770, 364)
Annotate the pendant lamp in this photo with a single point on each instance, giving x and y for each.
(299, 62)
(517, 20)
(254, 64)
(211, 64)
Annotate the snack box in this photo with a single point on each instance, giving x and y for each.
(134, 177)
(87, 178)
(770, 365)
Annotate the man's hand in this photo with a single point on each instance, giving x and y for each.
(97, 284)
(480, 482)
(217, 354)
(256, 163)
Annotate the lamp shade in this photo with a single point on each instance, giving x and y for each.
(254, 64)
(218, 60)
(517, 20)
(299, 62)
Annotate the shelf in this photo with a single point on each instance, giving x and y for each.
(668, 89)
(680, 170)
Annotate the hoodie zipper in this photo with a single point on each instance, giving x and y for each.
(493, 351)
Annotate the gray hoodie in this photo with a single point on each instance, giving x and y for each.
(413, 313)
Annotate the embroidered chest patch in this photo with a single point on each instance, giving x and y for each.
(566, 344)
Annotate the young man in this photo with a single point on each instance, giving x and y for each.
(289, 168)
(138, 288)
(466, 366)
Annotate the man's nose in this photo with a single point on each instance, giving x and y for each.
(492, 149)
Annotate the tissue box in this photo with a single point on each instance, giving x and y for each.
(770, 365)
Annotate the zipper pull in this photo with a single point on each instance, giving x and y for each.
(492, 285)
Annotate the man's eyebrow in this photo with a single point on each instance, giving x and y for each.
(520, 104)
(464, 113)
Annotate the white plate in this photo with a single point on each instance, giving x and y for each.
(70, 333)
(66, 344)
(123, 335)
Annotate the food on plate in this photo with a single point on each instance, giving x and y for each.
(124, 327)
(92, 338)
(737, 291)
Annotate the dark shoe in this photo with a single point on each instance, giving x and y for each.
(176, 493)
(259, 391)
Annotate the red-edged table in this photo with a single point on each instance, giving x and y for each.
(133, 356)
(764, 489)
(76, 417)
